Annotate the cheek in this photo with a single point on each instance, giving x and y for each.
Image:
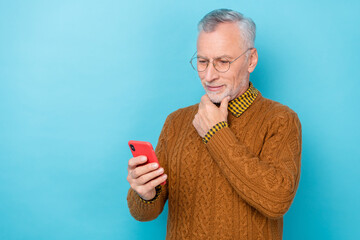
(233, 81)
(238, 75)
(202, 77)
(230, 78)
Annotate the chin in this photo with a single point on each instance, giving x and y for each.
(217, 97)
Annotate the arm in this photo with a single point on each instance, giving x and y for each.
(267, 182)
(142, 209)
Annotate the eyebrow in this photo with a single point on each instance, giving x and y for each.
(222, 56)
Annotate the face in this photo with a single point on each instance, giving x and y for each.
(227, 44)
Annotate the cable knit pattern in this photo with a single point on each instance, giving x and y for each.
(237, 186)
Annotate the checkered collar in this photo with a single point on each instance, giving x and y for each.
(239, 105)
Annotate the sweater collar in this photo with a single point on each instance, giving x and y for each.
(239, 105)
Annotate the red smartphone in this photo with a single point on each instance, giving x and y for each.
(140, 148)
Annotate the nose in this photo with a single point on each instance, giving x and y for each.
(210, 73)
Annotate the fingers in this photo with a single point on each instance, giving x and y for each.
(144, 179)
(155, 182)
(205, 98)
(197, 120)
(147, 191)
(149, 176)
(224, 104)
(198, 126)
(136, 170)
(141, 170)
(135, 161)
(205, 102)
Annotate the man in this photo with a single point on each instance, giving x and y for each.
(231, 162)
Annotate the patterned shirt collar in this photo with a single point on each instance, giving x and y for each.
(239, 105)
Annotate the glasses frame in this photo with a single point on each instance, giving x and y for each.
(230, 62)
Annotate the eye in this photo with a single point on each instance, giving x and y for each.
(202, 61)
(223, 61)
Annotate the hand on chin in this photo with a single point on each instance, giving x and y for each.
(209, 114)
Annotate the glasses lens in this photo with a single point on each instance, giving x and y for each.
(221, 65)
(199, 64)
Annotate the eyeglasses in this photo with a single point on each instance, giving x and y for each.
(222, 65)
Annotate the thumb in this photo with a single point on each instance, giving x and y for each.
(224, 104)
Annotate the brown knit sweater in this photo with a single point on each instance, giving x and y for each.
(238, 185)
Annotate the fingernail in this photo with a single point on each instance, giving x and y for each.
(154, 165)
(143, 158)
(164, 176)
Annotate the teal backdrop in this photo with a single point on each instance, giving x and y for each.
(78, 79)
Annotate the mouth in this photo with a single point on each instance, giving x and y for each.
(214, 88)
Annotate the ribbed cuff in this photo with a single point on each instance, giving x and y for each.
(213, 130)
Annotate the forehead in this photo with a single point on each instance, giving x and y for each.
(225, 39)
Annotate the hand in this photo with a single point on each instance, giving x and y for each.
(144, 178)
(209, 114)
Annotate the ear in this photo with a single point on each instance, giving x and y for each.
(253, 59)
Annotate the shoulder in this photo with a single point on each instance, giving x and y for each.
(274, 110)
(182, 114)
(275, 116)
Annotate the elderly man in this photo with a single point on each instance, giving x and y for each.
(231, 162)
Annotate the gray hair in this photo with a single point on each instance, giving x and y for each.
(246, 25)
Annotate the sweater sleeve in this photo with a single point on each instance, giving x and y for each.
(144, 210)
(269, 181)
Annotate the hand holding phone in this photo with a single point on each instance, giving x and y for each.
(144, 171)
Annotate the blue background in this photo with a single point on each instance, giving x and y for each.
(78, 79)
